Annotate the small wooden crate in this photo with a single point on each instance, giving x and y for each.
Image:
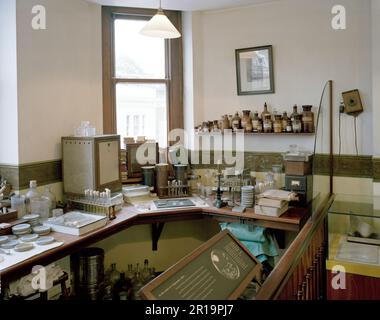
(298, 168)
(7, 217)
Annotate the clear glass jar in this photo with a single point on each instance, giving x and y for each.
(267, 124)
(31, 194)
(295, 112)
(51, 197)
(277, 125)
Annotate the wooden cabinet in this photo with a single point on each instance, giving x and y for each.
(357, 288)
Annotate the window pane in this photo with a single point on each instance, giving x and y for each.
(141, 111)
(137, 56)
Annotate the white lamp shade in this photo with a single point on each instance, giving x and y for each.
(160, 27)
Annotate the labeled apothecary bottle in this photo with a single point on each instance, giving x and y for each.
(277, 124)
(295, 112)
(246, 121)
(308, 119)
(225, 123)
(289, 127)
(259, 126)
(297, 124)
(267, 124)
(265, 112)
(215, 126)
(205, 127)
(236, 122)
(285, 119)
(255, 121)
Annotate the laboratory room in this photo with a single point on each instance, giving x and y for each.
(199, 150)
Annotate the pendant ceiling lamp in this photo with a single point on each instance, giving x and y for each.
(160, 27)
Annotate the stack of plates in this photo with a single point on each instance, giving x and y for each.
(22, 229)
(10, 244)
(32, 219)
(247, 196)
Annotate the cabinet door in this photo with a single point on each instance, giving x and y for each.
(357, 288)
(108, 162)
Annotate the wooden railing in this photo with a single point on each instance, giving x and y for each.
(301, 273)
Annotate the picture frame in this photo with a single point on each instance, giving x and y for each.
(254, 70)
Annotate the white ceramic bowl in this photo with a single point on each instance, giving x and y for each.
(10, 244)
(22, 247)
(29, 238)
(3, 239)
(43, 241)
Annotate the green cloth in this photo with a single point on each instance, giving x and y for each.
(258, 240)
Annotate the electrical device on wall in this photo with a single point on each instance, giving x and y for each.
(351, 105)
(352, 102)
(160, 26)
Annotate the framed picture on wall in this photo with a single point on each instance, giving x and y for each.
(254, 70)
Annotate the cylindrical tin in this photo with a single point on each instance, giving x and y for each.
(162, 179)
(180, 172)
(88, 271)
(149, 176)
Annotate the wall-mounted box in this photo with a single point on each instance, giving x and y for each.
(91, 163)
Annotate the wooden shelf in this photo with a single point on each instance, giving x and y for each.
(261, 134)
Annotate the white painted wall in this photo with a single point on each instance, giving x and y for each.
(375, 10)
(8, 83)
(59, 75)
(307, 53)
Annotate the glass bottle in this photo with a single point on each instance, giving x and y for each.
(236, 122)
(129, 275)
(122, 288)
(246, 120)
(51, 197)
(137, 284)
(265, 112)
(267, 124)
(31, 194)
(289, 127)
(277, 125)
(205, 127)
(225, 123)
(297, 124)
(255, 121)
(260, 126)
(285, 119)
(112, 275)
(108, 293)
(145, 273)
(295, 112)
(308, 119)
(215, 126)
(230, 117)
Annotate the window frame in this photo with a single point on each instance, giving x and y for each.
(174, 67)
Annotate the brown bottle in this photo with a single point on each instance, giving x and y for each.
(255, 121)
(285, 119)
(236, 122)
(246, 121)
(308, 119)
(265, 112)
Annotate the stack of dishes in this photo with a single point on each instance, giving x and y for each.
(29, 238)
(10, 244)
(32, 219)
(22, 229)
(248, 196)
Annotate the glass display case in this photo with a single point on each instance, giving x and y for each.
(354, 234)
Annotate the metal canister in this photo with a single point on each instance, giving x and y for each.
(180, 172)
(149, 177)
(88, 271)
(162, 179)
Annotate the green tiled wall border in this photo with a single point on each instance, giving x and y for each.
(45, 172)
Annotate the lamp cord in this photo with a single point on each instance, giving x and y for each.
(356, 137)
(318, 116)
(340, 136)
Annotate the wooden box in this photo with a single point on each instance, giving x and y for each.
(7, 217)
(298, 168)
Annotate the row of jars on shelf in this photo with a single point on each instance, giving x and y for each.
(266, 123)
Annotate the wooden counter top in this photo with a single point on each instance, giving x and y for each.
(293, 220)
